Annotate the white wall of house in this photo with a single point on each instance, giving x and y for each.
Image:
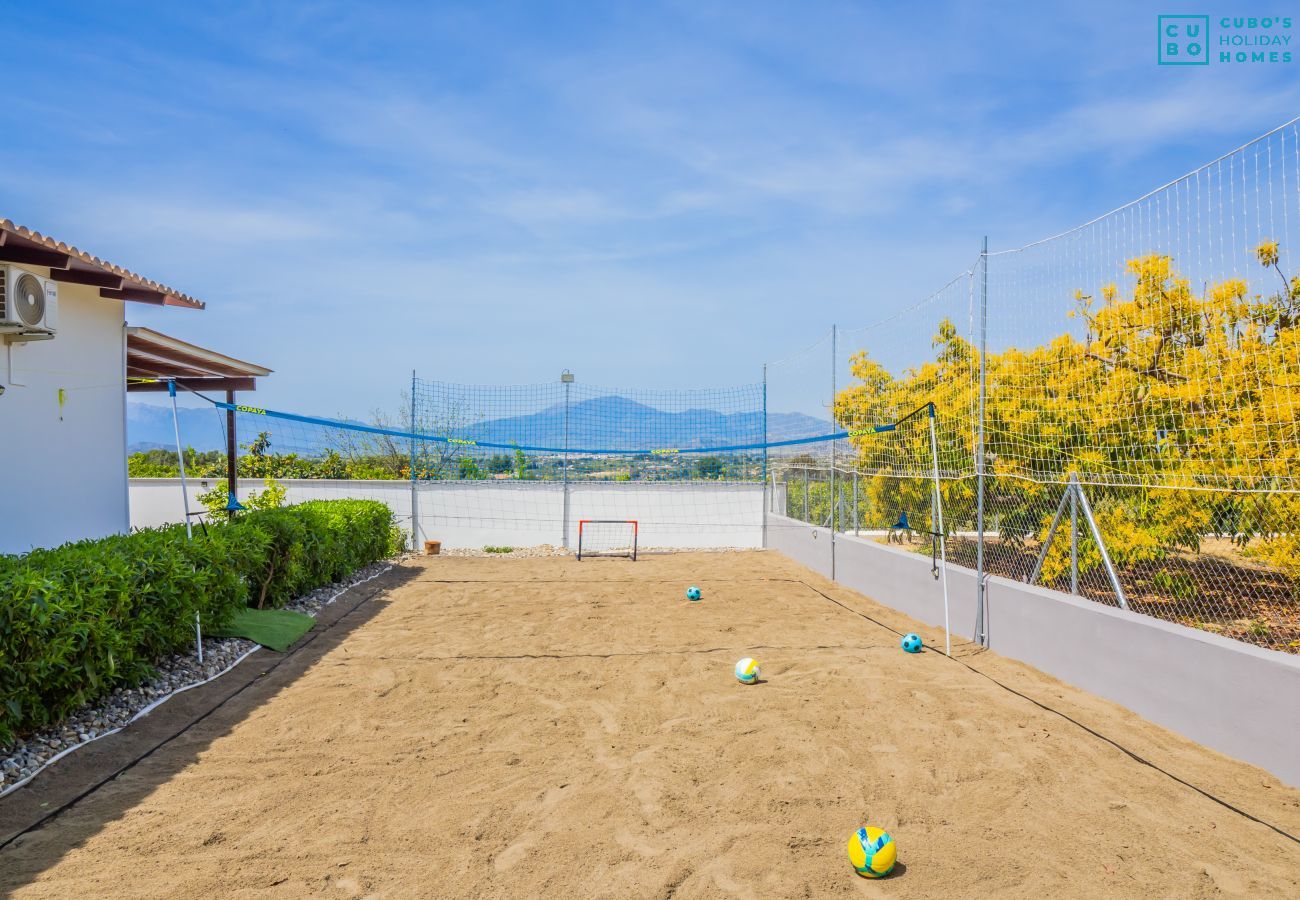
(63, 465)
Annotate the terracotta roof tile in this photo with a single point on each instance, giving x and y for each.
(171, 297)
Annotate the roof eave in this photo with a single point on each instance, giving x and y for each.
(19, 244)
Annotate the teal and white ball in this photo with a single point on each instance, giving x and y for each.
(747, 671)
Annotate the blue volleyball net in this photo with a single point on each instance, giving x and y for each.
(548, 432)
(476, 465)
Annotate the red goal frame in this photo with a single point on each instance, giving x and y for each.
(636, 531)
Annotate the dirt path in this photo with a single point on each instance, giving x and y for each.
(548, 727)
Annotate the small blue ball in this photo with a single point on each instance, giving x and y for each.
(912, 643)
(692, 593)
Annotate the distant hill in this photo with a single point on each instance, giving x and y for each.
(149, 427)
(611, 422)
(620, 423)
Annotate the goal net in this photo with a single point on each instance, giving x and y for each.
(607, 537)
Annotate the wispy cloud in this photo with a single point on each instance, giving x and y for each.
(530, 183)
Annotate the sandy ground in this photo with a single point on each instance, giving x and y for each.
(546, 727)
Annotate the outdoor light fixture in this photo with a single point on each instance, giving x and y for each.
(566, 377)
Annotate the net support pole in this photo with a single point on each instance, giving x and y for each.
(765, 494)
(185, 503)
(564, 523)
(981, 587)
(834, 427)
(938, 523)
(415, 500)
(180, 459)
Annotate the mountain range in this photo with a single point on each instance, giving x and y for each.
(615, 422)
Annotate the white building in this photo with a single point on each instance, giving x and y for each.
(65, 357)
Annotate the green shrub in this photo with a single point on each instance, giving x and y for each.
(85, 618)
(273, 497)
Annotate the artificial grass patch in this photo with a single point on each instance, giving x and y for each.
(275, 629)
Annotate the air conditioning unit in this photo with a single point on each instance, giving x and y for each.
(29, 305)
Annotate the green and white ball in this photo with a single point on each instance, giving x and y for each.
(747, 671)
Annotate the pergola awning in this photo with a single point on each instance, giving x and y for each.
(154, 358)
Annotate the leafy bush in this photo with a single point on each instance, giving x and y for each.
(82, 619)
(273, 497)
(313, 544)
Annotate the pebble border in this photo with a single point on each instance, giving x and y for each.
(29, 756)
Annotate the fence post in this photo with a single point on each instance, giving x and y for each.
(855, 501)
(1101, 542)
(415, 502)
(1074, 543)
(765, 494)
(831, 494)
(980, 589)
(566, 378)
(806, 517)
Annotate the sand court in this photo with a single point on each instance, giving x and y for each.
(525, 727)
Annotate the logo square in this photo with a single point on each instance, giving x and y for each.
(1183, 40)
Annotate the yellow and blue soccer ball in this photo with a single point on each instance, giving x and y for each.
(747, 671)
(912, 643)
(872, 852)
(693, 593)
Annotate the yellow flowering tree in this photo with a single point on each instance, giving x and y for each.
(1178, 409)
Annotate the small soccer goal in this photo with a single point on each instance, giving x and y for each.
(607, 537)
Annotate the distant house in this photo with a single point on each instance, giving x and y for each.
(66, 355)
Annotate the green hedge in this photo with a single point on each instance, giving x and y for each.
(83, 619)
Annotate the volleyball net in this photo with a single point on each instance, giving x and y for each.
(475, 465)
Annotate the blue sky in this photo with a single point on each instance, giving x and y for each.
(650, 194)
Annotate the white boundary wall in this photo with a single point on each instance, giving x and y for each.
(1233, 697)
(482, 513)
